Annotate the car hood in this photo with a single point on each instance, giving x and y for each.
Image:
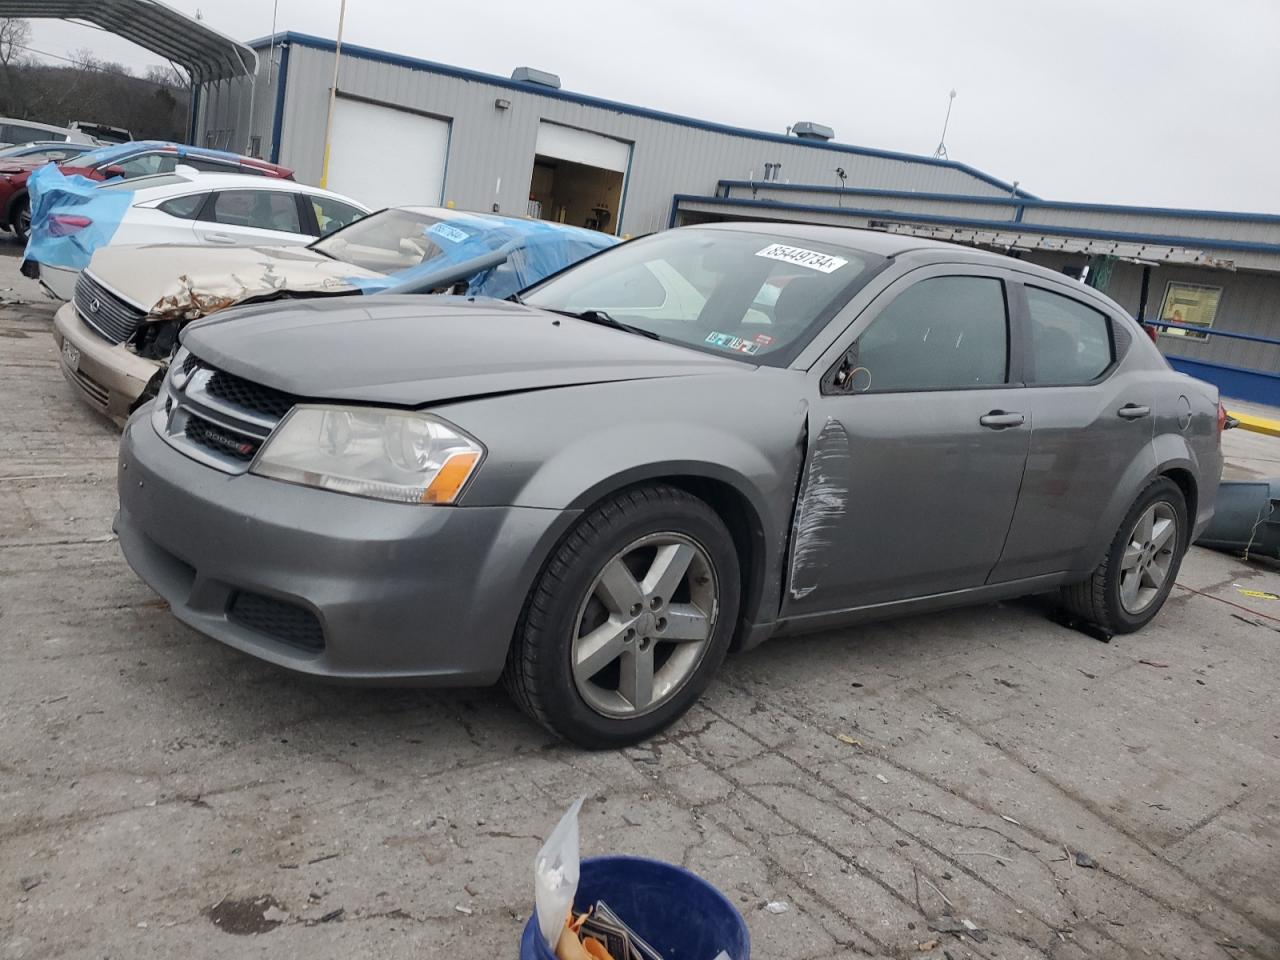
(416, 350)
(186, 281)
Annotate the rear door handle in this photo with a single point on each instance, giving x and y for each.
(1133, 411)
(999, 420)
(220, 238)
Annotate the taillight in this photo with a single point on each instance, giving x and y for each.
(65, 224)
(1152, 332)
(1222, 420)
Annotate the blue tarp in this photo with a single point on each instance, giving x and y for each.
(60, 205)
(542, 248)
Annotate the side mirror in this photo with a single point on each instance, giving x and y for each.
(839, 379)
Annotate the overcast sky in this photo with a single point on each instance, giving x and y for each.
(1160, 102)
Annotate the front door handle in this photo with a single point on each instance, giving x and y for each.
(1133, 411)
(999, 419)
(220, 238)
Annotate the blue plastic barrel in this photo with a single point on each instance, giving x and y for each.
(678, 913)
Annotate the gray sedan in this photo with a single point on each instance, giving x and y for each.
(685, 445)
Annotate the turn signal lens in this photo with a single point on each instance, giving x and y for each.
(448, 482)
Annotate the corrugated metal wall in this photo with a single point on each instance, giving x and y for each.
(491, 152)
(223, 120)
(1250, 303)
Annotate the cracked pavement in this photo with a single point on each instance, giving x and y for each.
(872, 779)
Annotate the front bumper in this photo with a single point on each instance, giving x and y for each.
(108, 376)
(395, 592)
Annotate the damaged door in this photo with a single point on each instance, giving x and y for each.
(916, 446)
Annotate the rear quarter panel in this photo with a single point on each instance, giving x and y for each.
(1187, 437)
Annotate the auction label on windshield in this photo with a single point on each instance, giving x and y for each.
(452, 234)
(813, 259)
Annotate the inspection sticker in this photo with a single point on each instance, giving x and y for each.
(452, 234)
(736, 344)
(814, 260)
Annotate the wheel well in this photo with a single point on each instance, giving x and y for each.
(1187, 484)
(12, 204)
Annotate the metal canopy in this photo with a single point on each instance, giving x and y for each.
(205, 54)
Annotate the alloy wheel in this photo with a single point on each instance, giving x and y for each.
(1148, 557)
(645, 625)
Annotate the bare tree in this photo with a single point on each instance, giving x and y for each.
(168, 76)
(14, 36)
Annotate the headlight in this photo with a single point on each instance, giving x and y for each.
(387, 454)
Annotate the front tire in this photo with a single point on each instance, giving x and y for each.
(629, 619)
(1131, 584)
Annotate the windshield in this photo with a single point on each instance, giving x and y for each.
(386, 242)
(751, 295)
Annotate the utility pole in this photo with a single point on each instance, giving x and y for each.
(941, 152)
(333, 95)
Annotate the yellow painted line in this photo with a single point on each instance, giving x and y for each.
(1256, 424)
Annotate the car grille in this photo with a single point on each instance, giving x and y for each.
(216, 417)
(250, 396)
(277, 619)
(107, 313)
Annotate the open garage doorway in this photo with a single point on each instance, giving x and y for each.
(578, 177)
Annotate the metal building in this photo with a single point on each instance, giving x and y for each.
(407, 130)
(412, 131)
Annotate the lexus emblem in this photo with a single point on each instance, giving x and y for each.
(94, 304)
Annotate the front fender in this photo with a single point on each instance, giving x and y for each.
(569, 448)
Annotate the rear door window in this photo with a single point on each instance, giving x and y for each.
(147, 164)
(943, 333)
(184, 208)
(259, 209)
(1070, 342)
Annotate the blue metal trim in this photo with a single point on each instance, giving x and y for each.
(277, 121)
(1162, 240)
(626, 186)
(1160, 325)
(444, 174)
(1238, 383)
(1020, 201)
(414, 63)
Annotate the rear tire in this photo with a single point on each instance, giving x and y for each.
(20, 218)
(602, 665)
(1133, 581)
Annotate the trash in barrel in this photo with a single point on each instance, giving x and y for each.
(625, 908)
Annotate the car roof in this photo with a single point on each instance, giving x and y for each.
(198, 181)
(868, 241)
(35, 124)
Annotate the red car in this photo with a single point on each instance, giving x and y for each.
(137, 158)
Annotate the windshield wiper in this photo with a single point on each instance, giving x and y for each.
(600, 318)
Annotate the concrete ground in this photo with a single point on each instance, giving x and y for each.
(164, 796)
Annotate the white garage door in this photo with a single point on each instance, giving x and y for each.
(580, 146)
(387, 158)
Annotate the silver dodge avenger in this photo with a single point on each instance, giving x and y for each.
(684, 445)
